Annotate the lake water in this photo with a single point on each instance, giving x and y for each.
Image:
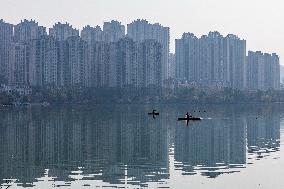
(120, 146)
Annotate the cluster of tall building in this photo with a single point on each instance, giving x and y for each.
(215, 60)
(95, 57)
(263, 71)
(140, 57)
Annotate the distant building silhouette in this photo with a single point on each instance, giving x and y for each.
(6, 38)
(19, 64)
(43, 65)
(62, 32)
(211, 60)
(172, 66)
(127, 64)
(139, 30)
(263, 71)
(113, 31)
(28, 30)
(109, 57)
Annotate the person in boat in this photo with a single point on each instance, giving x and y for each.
(154, 113)
(188, 115)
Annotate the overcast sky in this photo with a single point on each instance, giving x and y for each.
(260, 22)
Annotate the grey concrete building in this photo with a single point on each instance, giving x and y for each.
(236, 59)
(19, 64)
(113, 31)
(127, 73)
(63, 31)
(43, 66)
(75, 69)
(100, 72)
(92, 34)
(172, 66)
(187, 58)
(141, 30)
(263, 71)
(6, 37)
(28, 30)
(150, 54)
(127, 64)
(212, 60)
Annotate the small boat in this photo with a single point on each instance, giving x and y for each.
(189, 119)
(156, 114)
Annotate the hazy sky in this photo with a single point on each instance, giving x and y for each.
(260, 22)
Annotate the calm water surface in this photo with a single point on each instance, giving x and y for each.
(120, 146)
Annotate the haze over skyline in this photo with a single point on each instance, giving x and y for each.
(257, 21)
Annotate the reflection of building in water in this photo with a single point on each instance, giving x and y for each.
(15, 158)
(263, 133)
(110, 142)
(212, 145)
(101, 140)
(141, 144)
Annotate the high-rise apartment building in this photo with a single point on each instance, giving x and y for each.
(101, 65)
(62, 32)
(127, 64)
(75, 69)
(107, 58)
(19, 64)
(217, 57)
(263, 71)
(141, 30)
(116, 64)
(43, 65)
(113, 31)
(92, 34)
(28, 30)
(236, 62)
(212, 60)
(6, 37)
(187, 58)
(62, 64)
(150, 55)
(172, 66)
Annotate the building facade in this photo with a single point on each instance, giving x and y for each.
(211, 60)
(76, 66)
(187, 58)
(172, 66)
(44, 62)
(62, 32)
(141, 30)
(28, 30)
(113, 31)
(150, 54)
(127, 64)
(6, 38)
(92, 34)
(263, 71)
(19, 64)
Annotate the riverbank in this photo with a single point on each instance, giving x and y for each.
(141, 96)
